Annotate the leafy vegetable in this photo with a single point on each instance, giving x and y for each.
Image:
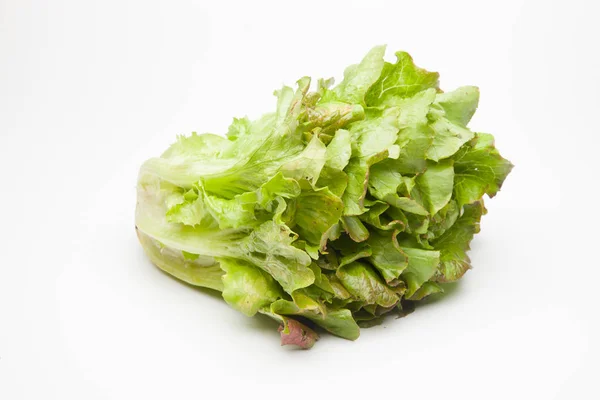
(344, 204)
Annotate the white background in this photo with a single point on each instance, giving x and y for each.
(89, 90)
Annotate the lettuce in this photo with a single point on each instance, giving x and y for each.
(344, 204)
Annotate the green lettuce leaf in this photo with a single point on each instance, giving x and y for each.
(454, 243)
(316, 211)
(196, 270)
(436, 185)
(358, 78)
(364, 284)
(447, 139)
(422, 265)
(460, 104)
(403, 79)
(338, 322)
(479, 170)
(339, 150)
(387, 256)
(427, 289)
(358, 179)
(355, 228)
(247, 288)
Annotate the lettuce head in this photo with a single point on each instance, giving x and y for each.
(344, 204)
